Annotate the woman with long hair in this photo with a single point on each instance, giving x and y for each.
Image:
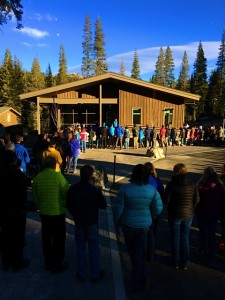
(208, 210)
(182, 198)
(136, 203)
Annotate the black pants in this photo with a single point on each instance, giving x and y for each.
(12, 226)
(53, 239)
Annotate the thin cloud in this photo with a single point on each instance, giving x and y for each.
(148, 56)
(43, 17)
(33, 32)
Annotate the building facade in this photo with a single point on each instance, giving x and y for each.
(100, 99)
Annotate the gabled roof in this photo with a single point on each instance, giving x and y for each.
(106, 76)
(5, 109)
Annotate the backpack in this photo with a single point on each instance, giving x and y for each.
(127, 133)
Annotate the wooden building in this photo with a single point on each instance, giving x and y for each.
(101, 99)
(9, 116)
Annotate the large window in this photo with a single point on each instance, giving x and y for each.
(136, 115)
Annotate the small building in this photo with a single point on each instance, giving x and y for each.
(9, 116)
(102, 98)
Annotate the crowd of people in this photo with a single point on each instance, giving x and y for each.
(138, 204)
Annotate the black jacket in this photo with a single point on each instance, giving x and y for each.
(181, 196)
(83, 203)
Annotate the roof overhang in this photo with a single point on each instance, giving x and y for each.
(99, 79)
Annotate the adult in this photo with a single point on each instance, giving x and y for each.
(141, 136)
(49, 191)
(119, 136)
(136, 203)
(157, 183)
(104, 134)
(162, 134)
(147, 136)
(111, 136)
(182, 198)
(84, 139)
(135, 136)
(83, 202)
(13, 203)
(53, 152)
(74, 152)
(21, 153)
(153, 137)
(126, 138)
(208, 210)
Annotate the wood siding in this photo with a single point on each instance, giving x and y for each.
(152, 110)
(8, 119)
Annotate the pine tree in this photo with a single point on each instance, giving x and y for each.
(198, 83)
(221, 74)
(135, 72)
(6, 80)
(122, 68)
(100, 64)
(213, 93)
(18, 84)
(49, 80)
(169, 68)
(159, 76)
(87, 67)
(62, 74)
(37, 77)
(10, 8)
(183, 82)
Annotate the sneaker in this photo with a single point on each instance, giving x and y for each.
(100, 277)
(185, 268)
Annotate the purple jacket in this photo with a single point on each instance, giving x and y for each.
(74, 146)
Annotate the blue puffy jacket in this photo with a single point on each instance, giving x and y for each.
(136, 205)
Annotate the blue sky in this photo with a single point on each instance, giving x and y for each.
(144, 25)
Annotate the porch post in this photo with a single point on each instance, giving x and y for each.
(100, 105)
(38, 116)
(58, 119)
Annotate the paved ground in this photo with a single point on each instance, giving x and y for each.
(204, 280)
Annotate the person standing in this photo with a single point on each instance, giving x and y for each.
(147, 136)
(153, 137)
(74, 151)
(83, 202)
(181, 197)
(13, 203)
(119, 136)
(135, 136)
(49, 191)
(21, 153)
(84, 139)
(126, 138)
(53, 152)
(208, 210)
(135, 205)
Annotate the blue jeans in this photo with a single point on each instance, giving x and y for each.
(88, 235)
(136, 243)
(127, 142)
(73, 159)
(180, 229)
(207, 235)
(83, 145)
